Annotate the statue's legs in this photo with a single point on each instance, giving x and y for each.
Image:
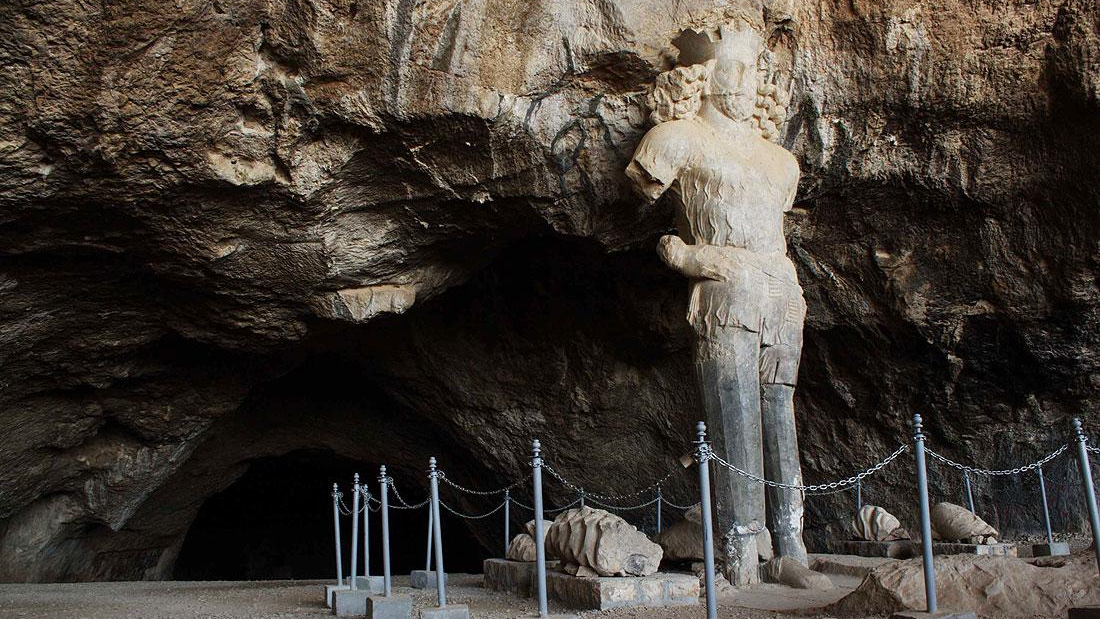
(728, 367)
(778, 375)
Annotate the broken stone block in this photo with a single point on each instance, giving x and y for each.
(603, 542)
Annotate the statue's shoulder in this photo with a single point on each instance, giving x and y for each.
(785, 158)
(677, 131)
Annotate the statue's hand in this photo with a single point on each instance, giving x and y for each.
(673, 251)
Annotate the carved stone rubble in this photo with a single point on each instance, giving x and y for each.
(875, 524)
(591, 542)
(954, 523)
(711, 151)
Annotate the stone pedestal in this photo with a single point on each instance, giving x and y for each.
(987, 550)
(1084, 612)
(595, 593)
(330, 590)
(1057, 549)
(897, 549)
(424, 579)
(350, 603)
(392, 607)
(917, 614)
(515, 577)
(450, 611)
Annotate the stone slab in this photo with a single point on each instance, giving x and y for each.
(917, 614)
(897, 549)
(845, 565)
(1057, 549)
(330, 589)
(1084, 612)
(349, 603)
(392, 607)
(424, 579)
(450, 611)
(595, 593)
(985, 550)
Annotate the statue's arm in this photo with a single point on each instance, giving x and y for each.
(694, 261)
(658, 160)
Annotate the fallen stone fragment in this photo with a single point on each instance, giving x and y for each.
(603, 542)
(875, 524)
(954, 523)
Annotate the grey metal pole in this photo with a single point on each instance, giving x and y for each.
(366, 531)
(384, 482)
(582, 497)
(1046, 508)
(859, 495)
(507, 520)
(925, 518)
(540, 542)
(440, 575)
(702, 456)
(336, 527)
(428, 558)
(660, 499)
(969, 494)
(1086, 480)
(354, 529)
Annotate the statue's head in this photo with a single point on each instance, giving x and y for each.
(736, 76)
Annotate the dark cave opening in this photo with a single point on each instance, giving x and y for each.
(275, 522)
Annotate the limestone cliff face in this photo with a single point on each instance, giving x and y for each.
(393, 229)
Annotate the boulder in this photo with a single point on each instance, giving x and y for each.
(683, 541)
(601, 542)
(875, 524)
(989, 586)
(522, 548)
(953, 523)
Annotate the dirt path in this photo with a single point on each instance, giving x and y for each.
(294, 599)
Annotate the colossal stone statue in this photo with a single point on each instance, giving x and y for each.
(710, 148)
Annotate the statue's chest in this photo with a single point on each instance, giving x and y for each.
(752, 179)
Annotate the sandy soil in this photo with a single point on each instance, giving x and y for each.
(293, 599)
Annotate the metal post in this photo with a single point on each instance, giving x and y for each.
(702, 456)
(354, 529)
(540, 542)
(582, 497)
(366, 532)
(428, 559)
(925, 518)
(1046, 509)
(507, 520)
(384, 483)
(336, 527)
(440, 575)
(859, 495)
(659, 500)
(969, 494)
(1086, 480)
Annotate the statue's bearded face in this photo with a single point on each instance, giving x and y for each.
(735, 77)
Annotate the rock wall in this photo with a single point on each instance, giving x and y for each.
(393, 229)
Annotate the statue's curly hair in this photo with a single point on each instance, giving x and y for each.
(678, 94)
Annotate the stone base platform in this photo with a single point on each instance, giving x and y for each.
(350, 603)
(330, 591)
(374, 584)
(450, 611)
(392, 607)
(1057, 549)
(596, 593)
(424, 579)
(897, 549)
(985, 550)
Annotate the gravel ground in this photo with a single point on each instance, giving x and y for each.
(295, 599)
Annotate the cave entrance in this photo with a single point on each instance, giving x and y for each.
(275, 522)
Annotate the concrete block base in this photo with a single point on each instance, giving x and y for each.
(985, 550)
(330, 590)
(373, 584)
(350, 603)
(897, 549)
(450, 611)
(1084, 612)
(392, 607)
(424, 579)
(1057, 549)
(596, 593)
(916, 614)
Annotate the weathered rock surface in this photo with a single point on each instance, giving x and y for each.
(989, 586)
(591, 542)
(683, 541)
(235, 230)
(875, 524)
(954, 523)
(522, 548)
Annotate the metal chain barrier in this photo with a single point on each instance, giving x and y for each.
(606, 497)
(675, 506)
(545, 511)
(404, 504)
(1016, 471)
(470, 517)
(621, 507)
(839, 484)
(456, 486)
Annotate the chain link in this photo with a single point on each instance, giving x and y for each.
(605, 497)
(589, 499)
(1095, 450)
(675, 506)
(545, 511)
(404, 504)
(443, 477)
(468, 516)
(1016, 471)
(842, 483)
